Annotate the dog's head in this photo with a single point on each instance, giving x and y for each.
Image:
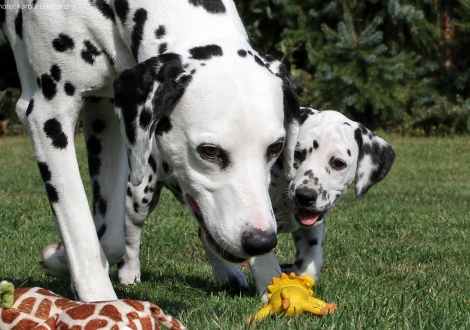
(221, 117)
(332, 153)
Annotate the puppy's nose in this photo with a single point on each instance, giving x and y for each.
(305, 196)
(256, 242)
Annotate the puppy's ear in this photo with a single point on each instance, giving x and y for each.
(142, 94)
(291, 121)
(374, 161)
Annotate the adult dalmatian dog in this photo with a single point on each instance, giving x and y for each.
(179, 74)
(332, 153)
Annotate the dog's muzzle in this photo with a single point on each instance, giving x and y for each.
(254, 242)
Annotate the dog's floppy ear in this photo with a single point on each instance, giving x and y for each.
(374, 161)
(142, 94)
(291, 121)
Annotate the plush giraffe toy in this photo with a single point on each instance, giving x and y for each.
(40, 309)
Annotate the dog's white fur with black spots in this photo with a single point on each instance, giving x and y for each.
(185, 78)
(332, 152)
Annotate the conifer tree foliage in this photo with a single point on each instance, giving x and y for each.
(387, 63)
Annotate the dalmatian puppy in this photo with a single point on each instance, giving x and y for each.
(179, 74)
(332, 152)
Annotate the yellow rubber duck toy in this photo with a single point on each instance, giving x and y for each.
(292, 295)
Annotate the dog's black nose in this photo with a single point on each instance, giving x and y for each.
(256, 242)
(305, 196)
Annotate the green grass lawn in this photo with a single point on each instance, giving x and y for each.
(397, 259)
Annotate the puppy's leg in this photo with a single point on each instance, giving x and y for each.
(309, 255)
(229, 276)
(108, 169)
(140, 202)
(51, 117)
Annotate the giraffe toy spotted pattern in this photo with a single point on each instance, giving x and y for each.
(40, 309)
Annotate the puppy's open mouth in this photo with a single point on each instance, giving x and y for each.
(208, 237)
(308, 218)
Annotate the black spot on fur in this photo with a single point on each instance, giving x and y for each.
(313, 242)
(150, 178)
(304, 114)
(63, 43)
(98, 126)
(205, 52)
(94, 165)
(349, 153)
(242, 53)
(259, 61)
(49, 87)
(211, 6)
(19, 24)
(121, 264)
(160, 32)
(56, 73)
(104, 8)
(162, 48)
(315, 144)
(46, 177)
(69, 88)
(140, 17)
(152, 163)
(101, 231)
(129, 191)
(90, 52)
(136, 207)
(45, 172)
(93, 146)
(310, 150)
(38, 82)
(102, 206)
(122, 9)
(166, 167)
(99, 202)
(30, 107)
(145, 200)
(163, 126)
(145, 118)
(52, 193)
(53, 130)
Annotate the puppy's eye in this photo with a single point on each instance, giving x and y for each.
(274, 149)
(337, 164)
(299, 155)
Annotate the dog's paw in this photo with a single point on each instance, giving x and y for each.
(54, 260)
(129, 271)
(231, 278)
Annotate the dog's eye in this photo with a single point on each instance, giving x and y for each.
(337, 164)
(213, 154)
(210, 151)
(274, 149)
(299, 156)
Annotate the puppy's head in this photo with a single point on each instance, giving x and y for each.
(221, 116)
(332, 153)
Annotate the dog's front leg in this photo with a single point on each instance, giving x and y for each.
(309, 256)
(107, 160)
(228, 275)
(263, 269)
(51, 120)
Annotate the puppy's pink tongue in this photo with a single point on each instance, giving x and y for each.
(307, 217)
